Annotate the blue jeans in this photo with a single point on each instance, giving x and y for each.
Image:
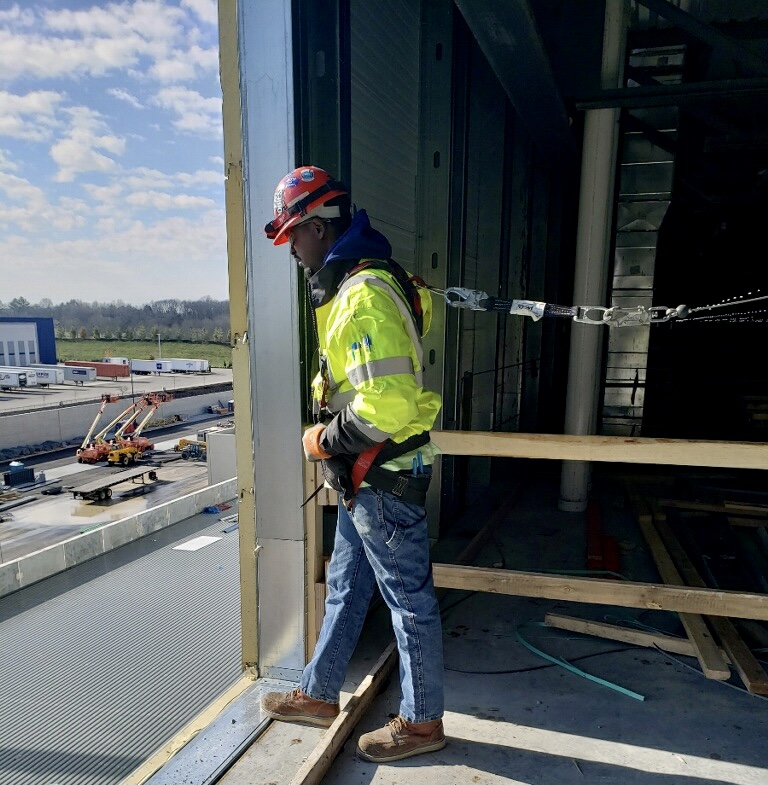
(382, 542)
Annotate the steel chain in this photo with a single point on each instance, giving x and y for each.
(612, 316)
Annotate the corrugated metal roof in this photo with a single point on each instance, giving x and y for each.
(104, 663)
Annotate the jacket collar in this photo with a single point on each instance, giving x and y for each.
(325, 282)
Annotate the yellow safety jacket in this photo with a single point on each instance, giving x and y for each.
(371, 367)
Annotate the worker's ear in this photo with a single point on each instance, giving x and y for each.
(320, 228)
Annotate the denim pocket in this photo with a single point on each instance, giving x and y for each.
(397, 519)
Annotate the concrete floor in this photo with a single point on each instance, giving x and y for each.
(513, 717)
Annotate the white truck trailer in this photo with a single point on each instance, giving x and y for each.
(145, 367)
(10, 380)
(186, 365)
(29, 372)
(49, 374)
(79, 374)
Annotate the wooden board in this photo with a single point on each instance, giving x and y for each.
(624, 634)
(728, 508)
(317, 764)
(711, 661)
(626, 594)
(611, 449)
(749, 669)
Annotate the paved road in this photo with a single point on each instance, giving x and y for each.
(62, 394)
(47, 520)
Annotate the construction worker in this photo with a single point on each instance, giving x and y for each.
(372, 419)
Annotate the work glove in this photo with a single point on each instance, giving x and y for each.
(311, 441)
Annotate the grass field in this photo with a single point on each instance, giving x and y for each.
(219, 355)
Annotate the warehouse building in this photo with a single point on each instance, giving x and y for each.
(27, 340)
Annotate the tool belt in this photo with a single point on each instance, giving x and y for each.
(345, 473)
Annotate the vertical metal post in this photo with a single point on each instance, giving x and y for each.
(238, 314)
(596, 207)
(270, 466)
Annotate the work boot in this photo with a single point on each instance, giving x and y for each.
(401, 739)
(297, 706)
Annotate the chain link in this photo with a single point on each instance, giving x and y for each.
(611, 316)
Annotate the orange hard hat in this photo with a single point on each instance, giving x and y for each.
(301, 194)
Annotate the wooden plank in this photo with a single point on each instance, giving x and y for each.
(624, 634)
(611, 449)
(711, 661)
(317, 764)
(728, 508)
(749, 669)
(755, 523)
(313, 563)
(627, 594)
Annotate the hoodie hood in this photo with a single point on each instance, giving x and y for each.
(360, 241)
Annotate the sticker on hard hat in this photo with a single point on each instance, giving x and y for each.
(290, 182)
(279, 204)
(307, 175)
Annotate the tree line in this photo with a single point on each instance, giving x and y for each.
(201, 321)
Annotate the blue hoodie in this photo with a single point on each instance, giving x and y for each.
(360, 241)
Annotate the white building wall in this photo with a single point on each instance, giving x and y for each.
(18, 344)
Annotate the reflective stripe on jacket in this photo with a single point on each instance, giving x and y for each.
(371, 361)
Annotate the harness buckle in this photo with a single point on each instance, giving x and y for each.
(401, 485)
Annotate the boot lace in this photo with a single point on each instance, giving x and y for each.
(397, 725)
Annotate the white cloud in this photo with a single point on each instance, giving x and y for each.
(165, 201)
(7, 162)
(144, 178)
(30, 116)
(101, 40)
(120, 193)
(17, 16)
(27, 208)
(185, 64)
(205, 9)
(194, 112)
(79, 151)
(177, 257)
(124, 95)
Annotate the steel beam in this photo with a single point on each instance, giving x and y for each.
(507, 34)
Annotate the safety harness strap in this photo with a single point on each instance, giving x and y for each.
(408, 283)
(368, 467)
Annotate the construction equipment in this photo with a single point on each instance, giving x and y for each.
(105, 399)
(200, 438)
(130, 449)
(95, 448)
(195, 451)
(184, 442)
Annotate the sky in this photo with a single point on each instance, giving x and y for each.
(111, 151)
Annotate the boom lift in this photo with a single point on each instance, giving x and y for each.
(132, 448)
(96, 448)
(105, 399)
